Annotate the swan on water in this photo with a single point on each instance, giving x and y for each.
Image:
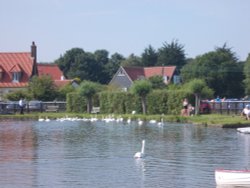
(140, 154)
(140, 122)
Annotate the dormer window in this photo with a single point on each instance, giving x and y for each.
(16, 73)
(1, 74)
(120, 73)
(16, 76)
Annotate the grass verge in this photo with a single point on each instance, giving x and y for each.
(225, 121)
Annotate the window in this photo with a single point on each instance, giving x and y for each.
(120, 73)
(177, 79)
(1, 76)
(165, 79)
(16, 76)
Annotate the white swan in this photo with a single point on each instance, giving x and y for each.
(140, 154)
(47, 119)
(40, 119)
(161, 123)
(140, 122)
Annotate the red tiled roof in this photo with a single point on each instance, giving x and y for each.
(49, 69)
(162, 71)
(136, 72)
(15, 68)
(19, 61)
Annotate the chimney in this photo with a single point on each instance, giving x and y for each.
(33, 55)
(33, 51)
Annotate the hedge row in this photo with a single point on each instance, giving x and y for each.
(158, 102)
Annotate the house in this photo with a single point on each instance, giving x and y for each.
(46, 69)
(125, 76)
(16, 69)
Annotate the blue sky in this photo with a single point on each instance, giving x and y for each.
(125, 27)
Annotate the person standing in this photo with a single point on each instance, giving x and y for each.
(21, 105)
(185, 107)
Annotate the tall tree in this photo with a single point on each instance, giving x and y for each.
(42, 88)
(68, 62)
(113, 65)
(88, 89)
(219, 69)
(132, 60)
(172, 54)
(199, 89)
(102, 59)
(149, 57)
(247, 75)
(76, 63)
(142, 88)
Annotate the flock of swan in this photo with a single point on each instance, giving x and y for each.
(105, 119)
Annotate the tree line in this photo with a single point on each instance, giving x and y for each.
(220, 69)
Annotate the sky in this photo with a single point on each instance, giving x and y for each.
(123, 26)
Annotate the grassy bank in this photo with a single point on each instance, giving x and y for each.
(225, 121)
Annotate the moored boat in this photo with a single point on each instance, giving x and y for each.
(232, 177)
(244, 130)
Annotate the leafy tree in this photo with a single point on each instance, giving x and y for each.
(17, 95)
(172, 54)
(113, 65)
(157, 82)
(88, 89)
(142, 88)
(219, 69)
(68, 62)
(42, 88)
(63, 91)
(199, 88)
(84, 65)
(132, 60)
(149, 57)
(101, 56)
(247, 75)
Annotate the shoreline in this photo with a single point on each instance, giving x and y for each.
(208, 120)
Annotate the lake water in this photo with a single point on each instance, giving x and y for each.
(99, 154)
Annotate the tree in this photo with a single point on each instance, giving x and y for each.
(172, 54)
(17, 95)
(112, 66)
(84, 65)
(132, 60)
(199, 89)
(68, 63)
(247, 75)
(157, 82)
(149, 57)
(42, 88)
(142, 88)
(63, 91)
(88, 89)
(219, 69)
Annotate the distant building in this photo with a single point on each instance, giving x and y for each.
(52, 70)
(17, 68)
(125, 76)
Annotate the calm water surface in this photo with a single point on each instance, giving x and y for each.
(98, 154)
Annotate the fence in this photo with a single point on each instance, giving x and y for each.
(32, 106)
(228, 107)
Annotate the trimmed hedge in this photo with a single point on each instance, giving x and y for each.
(76, 103)
(158, 102)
